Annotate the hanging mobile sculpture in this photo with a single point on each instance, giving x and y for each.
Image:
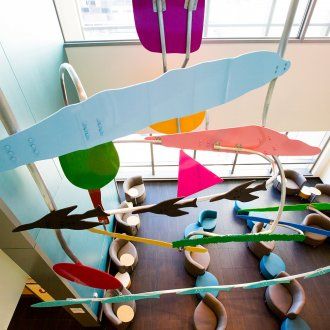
(185, 291)
(193, 176)
(256, 138)
(62, 219)
(171, 27)
(85, 130)
(99, 119)
(93, 168)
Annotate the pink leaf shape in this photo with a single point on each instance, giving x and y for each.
(257, 138)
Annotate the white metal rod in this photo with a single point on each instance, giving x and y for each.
(159, 6)
(206, 120)
(82, 95)
(281, 50)
(269, 181)
(189, 31)
(307, 19)
(283, 196)
(240, 150)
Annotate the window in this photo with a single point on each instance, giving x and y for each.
(107, 20)
(250, 19)
(113, 20)
(319, 25)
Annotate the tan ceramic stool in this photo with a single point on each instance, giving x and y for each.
(127, 259)
(305, 192)
(133, 192)
(125, 313)
(124, 279)
(133, 220)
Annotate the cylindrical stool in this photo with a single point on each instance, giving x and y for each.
(271, 265)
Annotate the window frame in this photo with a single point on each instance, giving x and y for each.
(301, 37)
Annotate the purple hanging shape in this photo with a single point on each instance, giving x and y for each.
(175, 24)
(193, 176)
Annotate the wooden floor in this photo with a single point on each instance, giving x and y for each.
(28, 318)
(231, 263)
(160, 269)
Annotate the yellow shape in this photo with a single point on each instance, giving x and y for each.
(39, 291)
(146, 240)
(187, 124)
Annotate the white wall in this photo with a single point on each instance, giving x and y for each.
(301, 99)
(325, 175)
(12, 281)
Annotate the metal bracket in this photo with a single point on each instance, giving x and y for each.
(155, 4)
(190, 4)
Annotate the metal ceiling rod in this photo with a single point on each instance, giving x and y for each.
(159, 6)
(281, 50)
(10, 123)
(66, 67)
(82, 95)
(190, 5)
(274, 161)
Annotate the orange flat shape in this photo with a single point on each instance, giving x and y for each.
(187, 124)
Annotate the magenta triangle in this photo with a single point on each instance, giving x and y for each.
(193, 176)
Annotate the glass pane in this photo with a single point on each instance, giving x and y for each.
(319, 25)
(250, 18)
(135, 158)
(252, 170)
(301, 168)
(133, 154)
(214, 158)
(250, 159)
(316, 139)
(107, 19)
(168, 156)
(114, 20)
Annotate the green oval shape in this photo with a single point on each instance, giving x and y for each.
(92, 168)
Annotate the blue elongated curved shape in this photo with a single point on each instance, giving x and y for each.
(118, 112)
(291, 224)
